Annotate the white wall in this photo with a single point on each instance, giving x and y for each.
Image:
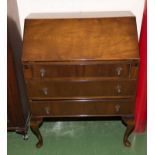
(28, 6)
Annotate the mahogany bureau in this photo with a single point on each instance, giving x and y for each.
(81, 65)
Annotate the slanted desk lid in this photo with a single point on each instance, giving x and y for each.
(98, 36)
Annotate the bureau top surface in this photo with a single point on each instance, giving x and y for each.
(80, 36)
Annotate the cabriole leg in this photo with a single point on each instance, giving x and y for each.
(129, 122)
(34, 124)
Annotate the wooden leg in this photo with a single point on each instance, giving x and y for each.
(129, 121)
(34, 124)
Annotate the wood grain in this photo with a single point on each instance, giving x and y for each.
(44, 71)
(80, 66)
(82, 108)
(80, 39)
(79, 88)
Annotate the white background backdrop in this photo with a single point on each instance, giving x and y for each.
(29, 6)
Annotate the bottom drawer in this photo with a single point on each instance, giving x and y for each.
(82, 108)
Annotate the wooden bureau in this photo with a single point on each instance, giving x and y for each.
(81, 65)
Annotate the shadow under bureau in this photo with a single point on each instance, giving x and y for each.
(81, 65)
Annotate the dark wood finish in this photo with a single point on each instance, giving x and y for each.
(72, 69)
(82, 108)
(129, 121)
(117, 69)
(84, 88)
(134, 71)
(35, 123)
(14, 118)
(17, 110)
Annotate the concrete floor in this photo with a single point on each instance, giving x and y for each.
(78, 138)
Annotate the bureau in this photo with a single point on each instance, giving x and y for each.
(81, 65)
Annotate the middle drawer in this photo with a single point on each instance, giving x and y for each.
(50, 89)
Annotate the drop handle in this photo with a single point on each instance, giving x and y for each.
(42, 72)
(118, 89)
(119, 71)
(47, 110)
(117, 107)
(45, 91)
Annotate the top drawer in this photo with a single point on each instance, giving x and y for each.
(76, 70)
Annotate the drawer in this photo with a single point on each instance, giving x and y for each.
(77, 70)
(81, 108)
(49, 89)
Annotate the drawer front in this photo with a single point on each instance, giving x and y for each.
(77, 70)
(50, 89)
(82, 108)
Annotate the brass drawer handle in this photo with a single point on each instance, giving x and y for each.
(47, 110)
(42, 72)
(119, 71)
(45, 91)
(119, 89)
(117, 107)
